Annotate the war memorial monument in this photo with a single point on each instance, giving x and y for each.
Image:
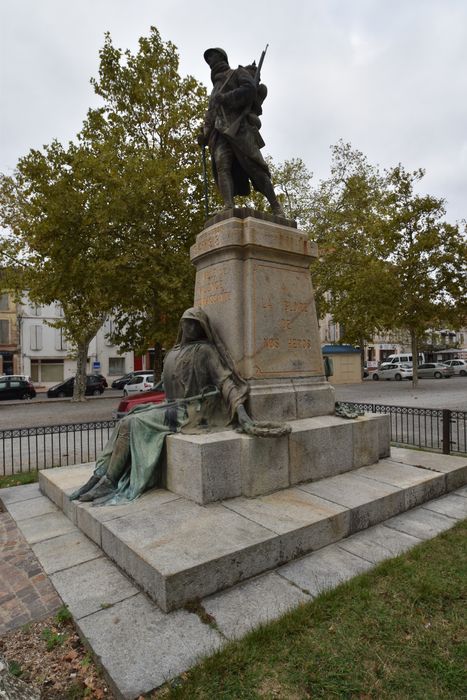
(247, 467)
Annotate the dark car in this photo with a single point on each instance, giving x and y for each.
(94, 386)
(156, 395)
(11, 388)
(102, 378)
(122, 381)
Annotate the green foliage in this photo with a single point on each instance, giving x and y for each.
(52, 639)
(144, 138)
(63, 616)
(15, 668)
(103, 226)
(19, 479)
(387, 259)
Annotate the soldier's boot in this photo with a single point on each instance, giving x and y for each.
(225, 184)
(264, 185)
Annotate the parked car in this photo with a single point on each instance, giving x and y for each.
(139, 383)
(155, 395)
(396, 372)
(120, 383)
(23, 377)
(13, 388)
(459, 366)
(94, 387)
(102, 378)
(435, 370)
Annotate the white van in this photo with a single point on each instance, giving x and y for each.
(403, 358)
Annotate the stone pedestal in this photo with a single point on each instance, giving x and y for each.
(253, 280)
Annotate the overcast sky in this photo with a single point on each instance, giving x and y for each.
(390, 76)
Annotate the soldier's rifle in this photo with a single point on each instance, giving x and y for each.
(233, 128)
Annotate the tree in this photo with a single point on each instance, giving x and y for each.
(352, 277)
(147, 130)
(104, 225)
(428, 258)
(54, 249)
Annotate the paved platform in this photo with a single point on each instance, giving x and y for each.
(140, 647)
(176, 550)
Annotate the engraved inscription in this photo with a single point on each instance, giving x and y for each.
(284, 333)
(210, 287)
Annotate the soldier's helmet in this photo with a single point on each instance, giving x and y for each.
(215, 50)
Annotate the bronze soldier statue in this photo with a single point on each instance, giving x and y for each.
(231, 130)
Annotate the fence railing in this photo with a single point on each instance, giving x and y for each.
(28, 449)
(440, 429)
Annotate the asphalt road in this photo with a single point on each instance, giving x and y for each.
(431, 393)
(44, 411)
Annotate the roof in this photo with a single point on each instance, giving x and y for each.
(335, 349)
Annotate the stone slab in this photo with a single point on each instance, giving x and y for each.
(462, 492)
(90, 518)
(320, 447)
(324, 570)
(419, 484)
(304, 522)
(256, 602)
(217, 466)
(369, 501)
(455, 468)
(140, 648)
(451, 505)
(59, 482)
(205, 468)
(14, 494)
(265, 465)
(379, 543)
(91, 586)
(65, 550)
(43, 527)
(22, 510)
(188, 551)
(420, 522)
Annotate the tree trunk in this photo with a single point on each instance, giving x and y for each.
(80, 377)
(362, 357)
(414, 339)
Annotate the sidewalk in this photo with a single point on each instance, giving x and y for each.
(26, 593)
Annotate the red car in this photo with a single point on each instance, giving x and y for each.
(156, 395)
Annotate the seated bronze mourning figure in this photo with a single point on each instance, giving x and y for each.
(204, 392)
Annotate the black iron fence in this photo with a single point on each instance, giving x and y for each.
(439, 429)
(28, 449)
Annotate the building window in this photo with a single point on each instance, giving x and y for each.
(47, 370)
(4, 332)
(60, 341)
(116, 366)
(36, 337)
(4, 302)
(108, 330)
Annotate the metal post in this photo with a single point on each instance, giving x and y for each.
(446, 431)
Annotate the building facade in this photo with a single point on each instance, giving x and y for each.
(48, 359)
(9, 336)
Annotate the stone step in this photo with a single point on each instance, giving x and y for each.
(177, 550)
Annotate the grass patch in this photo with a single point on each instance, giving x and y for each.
(18, 479)
(396, 632)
